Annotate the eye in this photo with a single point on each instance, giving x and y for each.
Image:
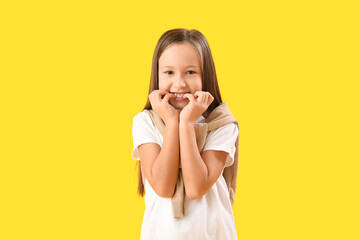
(191, 72)
(168, 72)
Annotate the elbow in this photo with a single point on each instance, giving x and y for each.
(194, 194)
(164, 192)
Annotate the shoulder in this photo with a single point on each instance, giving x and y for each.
(141, 116)
(143, 131)
(223, 137)
(229, 129)
(142, 121)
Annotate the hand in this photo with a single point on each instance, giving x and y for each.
(161, 105)
(197, 105)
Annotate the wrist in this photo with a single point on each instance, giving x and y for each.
(172, 122)
(187, 123)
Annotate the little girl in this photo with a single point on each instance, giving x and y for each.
(187, 142)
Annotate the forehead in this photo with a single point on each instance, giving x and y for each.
(179, 55)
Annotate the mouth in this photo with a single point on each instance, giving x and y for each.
(179, 96)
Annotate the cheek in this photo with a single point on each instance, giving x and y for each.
(198, 84)
(162, 83)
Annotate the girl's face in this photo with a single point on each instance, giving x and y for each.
(180, 72)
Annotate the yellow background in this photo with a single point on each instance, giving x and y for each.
(74, 74)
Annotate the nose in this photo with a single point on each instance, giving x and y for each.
(179, 82)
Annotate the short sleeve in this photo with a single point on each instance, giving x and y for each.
(143, 131)
(223, 139)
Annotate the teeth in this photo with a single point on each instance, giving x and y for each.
(178, 95)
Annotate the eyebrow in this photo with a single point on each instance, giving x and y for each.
(185, 66)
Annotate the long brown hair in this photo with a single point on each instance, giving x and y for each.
(209, 79)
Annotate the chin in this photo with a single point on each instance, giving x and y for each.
(178, 105)
(179, 108)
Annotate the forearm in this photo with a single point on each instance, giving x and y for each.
(166, 165)
(194, 169)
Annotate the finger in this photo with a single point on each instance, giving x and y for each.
(151, 95)
(201, 97)
(197, 94)
(160, 93)
(168, 96)
(210, 99)
(189, 96)
(206, 97)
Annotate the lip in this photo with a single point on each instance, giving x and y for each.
(180, 99)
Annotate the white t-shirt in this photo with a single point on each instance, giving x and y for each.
(209, 217)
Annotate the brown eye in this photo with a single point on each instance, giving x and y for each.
(191, 72)
(168, 72)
